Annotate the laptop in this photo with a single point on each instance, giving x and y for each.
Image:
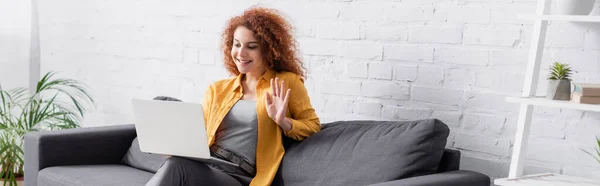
(173, 128)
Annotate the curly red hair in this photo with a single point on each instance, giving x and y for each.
(274, 35)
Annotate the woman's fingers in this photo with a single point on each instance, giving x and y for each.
(268, 98)
(287, 97)
(282, 89)
(277, 90)
(273, 90)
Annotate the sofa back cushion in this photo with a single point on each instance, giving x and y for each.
(142, 160)
(365, 152)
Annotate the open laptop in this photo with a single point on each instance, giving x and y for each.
(173, 128)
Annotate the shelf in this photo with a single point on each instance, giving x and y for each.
(576, 18)
(541, 101)
(547, 179)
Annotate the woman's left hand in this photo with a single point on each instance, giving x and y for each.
(277, 103)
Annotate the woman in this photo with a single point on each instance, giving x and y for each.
(247, 115)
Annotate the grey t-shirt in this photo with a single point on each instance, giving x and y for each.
(238, 132)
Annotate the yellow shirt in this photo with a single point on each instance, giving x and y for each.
(223, 94)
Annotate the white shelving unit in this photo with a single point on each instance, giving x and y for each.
(541, 101)
(575, 18)
(528, 100)
(547, 179)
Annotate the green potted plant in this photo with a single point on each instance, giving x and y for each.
(55, 104)
(559, 82)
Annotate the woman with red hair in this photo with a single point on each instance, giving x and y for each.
(247, 115)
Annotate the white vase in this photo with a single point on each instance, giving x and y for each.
(574, 7)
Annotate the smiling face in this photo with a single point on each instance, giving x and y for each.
(246, 52)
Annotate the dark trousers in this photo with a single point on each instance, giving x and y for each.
(177, 171)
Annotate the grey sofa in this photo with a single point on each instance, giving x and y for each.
(379, 153)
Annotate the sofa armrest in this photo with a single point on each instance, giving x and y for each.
(80, 146)
(450, 161)
(452, 178)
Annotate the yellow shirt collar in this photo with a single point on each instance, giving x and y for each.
(267, 76)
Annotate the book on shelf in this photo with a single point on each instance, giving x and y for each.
(587, 89)
(578, 98)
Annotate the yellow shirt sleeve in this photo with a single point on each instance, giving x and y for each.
(207, 104)
(305, 121)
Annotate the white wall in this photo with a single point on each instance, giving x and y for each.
(15, 17)
(455, 60)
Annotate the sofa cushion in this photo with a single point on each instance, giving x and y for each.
(142, 160)
(93, 175)
(365, 152)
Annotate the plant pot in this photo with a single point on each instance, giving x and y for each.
(574, 7)
(559, 89)
(20, 181)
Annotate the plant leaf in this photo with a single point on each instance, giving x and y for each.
(559, 71)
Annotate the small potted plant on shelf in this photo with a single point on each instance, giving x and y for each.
(559, 84)
(55, 104)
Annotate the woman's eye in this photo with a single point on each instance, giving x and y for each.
(237, 45)
(253, 47)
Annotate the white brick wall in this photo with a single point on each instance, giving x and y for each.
(319, 47)
(405, 73)
(15, 17)
(380, 71)
(370, 109)
(437, 95)
(341, 87)
(399, 60)
(488, 35)
(436, 34)
(462, 55)
(409, 53)
(384, 32)
(483, 144)
(362, 50)
(357, 69)
(462, 14)
(430, 75)
(398, 91)
(402, 113)
(338, 30)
